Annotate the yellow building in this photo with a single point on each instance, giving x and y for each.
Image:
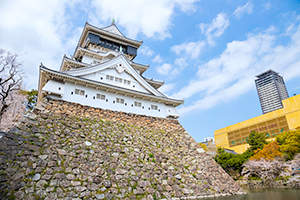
(273, 123)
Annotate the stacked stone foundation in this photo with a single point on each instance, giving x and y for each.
(63, 150)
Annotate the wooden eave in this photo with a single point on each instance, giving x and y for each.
(107, 35)
(52, 74)
(68, 63)
(82, 51)
(154, 83)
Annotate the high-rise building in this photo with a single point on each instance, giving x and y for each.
(271, 91)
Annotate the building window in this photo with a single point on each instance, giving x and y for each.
(93, 97)
(106, 100)
(119, 100)
(59, 88)
(154, 107)
(72, 93)
(79, 92)
(101, 78)
(101, 96)
(137, 104)
(119, 80)
(96, 62)
(127, 82)
(108, 77)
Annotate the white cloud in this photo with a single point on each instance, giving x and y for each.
(42, 31)
(145, 50)
(37, 30)
(152, 18)
(157, 59)
(166, 88)
(164, 69)
(232, 73)
(267, 5)
(181, 62)
(216, 28)
(247, 8)
(191, 49)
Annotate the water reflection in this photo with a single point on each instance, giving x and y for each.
(261, 194)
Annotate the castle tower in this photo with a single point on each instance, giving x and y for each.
(102, 74)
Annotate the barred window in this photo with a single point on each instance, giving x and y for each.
(96, 62)
(101, 96)
(79, 92)
(154, 107)
(119, 100)
(108, 77)
(127, 82)
(137, 104)
(119, 80)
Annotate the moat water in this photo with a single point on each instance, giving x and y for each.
(262, 194)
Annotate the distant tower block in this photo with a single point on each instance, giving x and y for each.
(271, 91)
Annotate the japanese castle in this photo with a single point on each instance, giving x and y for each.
(102, 74)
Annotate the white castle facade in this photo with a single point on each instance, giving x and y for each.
(102, 74)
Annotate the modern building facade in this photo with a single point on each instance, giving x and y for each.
(102, 74)
(234, 137)
(271, 91)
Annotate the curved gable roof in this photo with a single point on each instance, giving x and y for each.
(108, 64)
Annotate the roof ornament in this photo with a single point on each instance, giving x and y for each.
(113, 21)
(121, 49)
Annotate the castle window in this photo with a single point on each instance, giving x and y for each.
(154, 107)
(96, 62)
(119, 80)
(59, 88)
(101, 78)
(101, 96)
(79, 92)
(108, 77)
(127, 82)
(137, 104)
(119, 100)
(72, 93)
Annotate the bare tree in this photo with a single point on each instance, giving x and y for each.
(10, 79)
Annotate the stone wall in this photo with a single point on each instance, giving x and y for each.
(64, 150)
(268, 184)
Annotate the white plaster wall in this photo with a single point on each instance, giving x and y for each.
(134, 85)
(87, 59)
(90, 92)
(54, 87)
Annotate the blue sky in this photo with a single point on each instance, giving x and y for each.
(207, 52)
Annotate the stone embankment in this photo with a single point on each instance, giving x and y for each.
(68, 151)
(268, 184)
